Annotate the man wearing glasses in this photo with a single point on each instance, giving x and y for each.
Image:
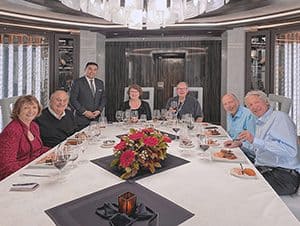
(185, 104)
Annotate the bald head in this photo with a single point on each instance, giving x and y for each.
(230, 103)
(59, 101)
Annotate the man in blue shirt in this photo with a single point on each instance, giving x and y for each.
(239, 118)
(274, 145)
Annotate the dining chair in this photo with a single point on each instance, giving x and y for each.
(6, 106)
(148, 95)
(196, 92)
(280, 102)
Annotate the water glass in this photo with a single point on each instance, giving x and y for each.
(156, 115)
(134, 116)
(143, 119)
(102, 122)
(119, 116)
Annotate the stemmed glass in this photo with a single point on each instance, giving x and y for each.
(134, 116)
(164, 114)
(174, 106)
(176, 127)
(119, 116)
(73, 152)
(61, 157)
(156, 115)
(127, 115)
(143, 119)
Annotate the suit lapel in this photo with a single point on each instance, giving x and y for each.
(87, 85)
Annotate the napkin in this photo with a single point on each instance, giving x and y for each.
(110, 212)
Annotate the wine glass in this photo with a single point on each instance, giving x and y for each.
(156, 115)
(164, 114)
(174, 105)
(127, 115)
(102, 122)
(176, 128)
(119, 116)
(134, 116)
(61, 157)
(143, 119)
(73, 152)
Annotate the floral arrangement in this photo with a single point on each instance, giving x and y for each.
(144, 148)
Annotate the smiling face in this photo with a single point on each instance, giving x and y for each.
(230, 104)
(59, 102)
(91, 71)
(134, 94)
(182, 89)
(257, 105)
(28, 112)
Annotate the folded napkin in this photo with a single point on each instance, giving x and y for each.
(110, 212)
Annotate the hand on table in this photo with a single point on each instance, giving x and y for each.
(246, 136)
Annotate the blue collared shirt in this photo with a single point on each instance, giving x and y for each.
(242, 120)
(275, 142)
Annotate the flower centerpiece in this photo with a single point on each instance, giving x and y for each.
(144, 148)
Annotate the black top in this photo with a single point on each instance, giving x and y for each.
(191, 105)
(143, 109)
(52, 130)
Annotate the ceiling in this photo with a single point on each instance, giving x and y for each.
(53, 14)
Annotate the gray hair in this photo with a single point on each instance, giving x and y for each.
(259, 94)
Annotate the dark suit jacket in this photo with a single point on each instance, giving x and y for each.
(82, 99)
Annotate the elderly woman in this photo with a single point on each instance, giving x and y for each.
(135, 103)
(20, 140)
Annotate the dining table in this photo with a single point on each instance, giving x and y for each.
(204, 186)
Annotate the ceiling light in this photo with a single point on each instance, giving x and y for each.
(149, 14)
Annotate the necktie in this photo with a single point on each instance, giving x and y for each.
(92, 87)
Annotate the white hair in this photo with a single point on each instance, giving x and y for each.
(259, 94)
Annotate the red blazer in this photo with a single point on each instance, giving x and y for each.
(15, 148)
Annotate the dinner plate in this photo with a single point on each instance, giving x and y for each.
(186, 146)
(237, 172)
(239, 156)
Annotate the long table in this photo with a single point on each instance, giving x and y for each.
(203, 187)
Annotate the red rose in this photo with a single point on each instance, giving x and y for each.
(167, 139)
(151, 141)
(127, 158)
(136, 136)
(120, 146)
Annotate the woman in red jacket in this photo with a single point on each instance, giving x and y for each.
(20, 141)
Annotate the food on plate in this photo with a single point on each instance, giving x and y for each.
(245, 172)
(224, 153)
(212, 142)
(213, 132)
(47, 159)
(81, 135)
(108, 142)
(249, 172)
(186, 142)
(72, 141)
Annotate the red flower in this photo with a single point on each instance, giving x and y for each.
(148, 130)
(127, 158)
(120, 146)
(167, 139)
(151, 141)
(136, 136)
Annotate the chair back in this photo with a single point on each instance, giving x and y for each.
(6, 106)
(148, 95)
(196, 92)
(280, 103)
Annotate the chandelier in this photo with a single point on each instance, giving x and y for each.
(147, 14)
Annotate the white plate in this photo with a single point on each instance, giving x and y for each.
(107, 145)
(240, 157)
(186, 146)
(237, 172)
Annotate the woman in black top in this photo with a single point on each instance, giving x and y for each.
(135, 103)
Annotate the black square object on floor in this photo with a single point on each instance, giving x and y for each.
(170, 162)
(81, 212)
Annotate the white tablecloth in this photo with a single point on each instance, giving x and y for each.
(203, 187)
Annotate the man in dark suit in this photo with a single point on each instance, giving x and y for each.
(87, 96)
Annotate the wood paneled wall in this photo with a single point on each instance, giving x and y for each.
(197, 69)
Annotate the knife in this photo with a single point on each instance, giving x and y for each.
(33, 175)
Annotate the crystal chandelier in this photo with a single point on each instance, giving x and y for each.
(147, 14)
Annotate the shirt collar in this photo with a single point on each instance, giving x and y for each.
(238, 113)
(263, 119)
(88, 79)
(56, 115)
